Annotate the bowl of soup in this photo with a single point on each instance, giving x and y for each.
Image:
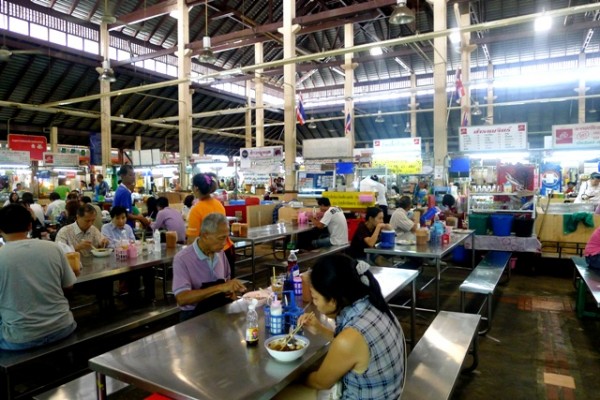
(293, 350)
(101, 252)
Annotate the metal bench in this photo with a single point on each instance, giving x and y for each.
(82, 388)
(483, 280)
(589, 281)
(434, 364)
(14, 365)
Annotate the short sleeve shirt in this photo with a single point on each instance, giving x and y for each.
(358, 245)
(336, 224)
(400, 221)
(123, 199)
(73, 236)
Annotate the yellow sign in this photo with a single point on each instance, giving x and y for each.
(351, 199)
(404, 167)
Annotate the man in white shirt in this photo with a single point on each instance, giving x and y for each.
(372, 184)
(334, 220)
(589, 191)
(400, 220)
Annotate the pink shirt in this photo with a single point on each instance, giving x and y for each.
(593, 245)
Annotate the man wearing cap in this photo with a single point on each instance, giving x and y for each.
(589, 191)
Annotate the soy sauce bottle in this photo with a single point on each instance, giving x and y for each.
(252, 325)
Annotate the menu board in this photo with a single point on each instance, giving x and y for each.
(493, 137)
(61, 159)
(402, 167)
(399, 156)
(576, 135)
(265, 160)
(395, 146)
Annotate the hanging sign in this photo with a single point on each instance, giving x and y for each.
(15, 157)
(265, 160)
(493, 137)
(575, 135)
(35, 145)
(327, 148)
(61, 159)
(399, 156)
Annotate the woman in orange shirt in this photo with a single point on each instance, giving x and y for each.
(203, 185)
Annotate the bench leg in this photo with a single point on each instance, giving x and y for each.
(475, 354)
(100, 386)
(462, 302)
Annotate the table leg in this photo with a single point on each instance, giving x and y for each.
(437, 285)
(472, 251)
(100, 386)
(253, 265)
(413, 336)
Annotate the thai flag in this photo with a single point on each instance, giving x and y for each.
(460, 89)
(300, 114)
(348, 125)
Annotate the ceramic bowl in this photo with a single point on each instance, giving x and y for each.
(102, 252)
(287, 356)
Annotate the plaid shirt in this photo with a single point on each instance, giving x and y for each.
(72, 235)
(384, 376)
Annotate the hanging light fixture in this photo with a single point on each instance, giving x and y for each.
(207, 55)
(106, 72)
(311, 124)
(476, 109)
(402, 15)
(379, 118)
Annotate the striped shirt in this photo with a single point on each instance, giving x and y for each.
(73, 235)
(384, 376)
(400, 221)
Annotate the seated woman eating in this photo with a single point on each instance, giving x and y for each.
(367, 236)
(367, 351)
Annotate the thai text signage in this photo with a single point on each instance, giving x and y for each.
(61, 159)
(350, 199)
(14, 157)
(35, 145)
(576, 135)
(399, 156)
(265, 160)
(493, 137)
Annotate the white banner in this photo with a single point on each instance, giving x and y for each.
(327, 148)
(576, 136)
(395, 146)
(61, 159)
(15, 157)
(265, 160)
(493, 137)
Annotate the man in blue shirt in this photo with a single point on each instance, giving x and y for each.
(123, 195)
(102, 186)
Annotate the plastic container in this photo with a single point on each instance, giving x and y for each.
(459, 254)
(523, 227)
(501, 224)
(276, 326)
(479, 223)
(388, 239)
(156, 238)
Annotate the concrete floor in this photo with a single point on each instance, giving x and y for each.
(537, 347)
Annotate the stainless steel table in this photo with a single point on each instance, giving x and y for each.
(428, 251)
(266, 233)
(392, 281)
(206, 357)
(94, 268)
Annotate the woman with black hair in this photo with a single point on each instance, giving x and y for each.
(151, 208)
(367, 350)
(367, 235)
(203, 185)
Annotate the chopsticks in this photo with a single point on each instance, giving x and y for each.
(296, 330)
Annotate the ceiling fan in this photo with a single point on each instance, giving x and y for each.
(6, 53)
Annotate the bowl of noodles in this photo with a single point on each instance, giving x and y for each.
(287, 352)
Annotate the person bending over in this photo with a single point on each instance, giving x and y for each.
(367, 353)
(33, 274)
(201, 274)
(335, 222)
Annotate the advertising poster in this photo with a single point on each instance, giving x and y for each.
(576, 136)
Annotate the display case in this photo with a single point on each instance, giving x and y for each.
(522, 202)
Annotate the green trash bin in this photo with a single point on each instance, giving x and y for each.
(479, 223)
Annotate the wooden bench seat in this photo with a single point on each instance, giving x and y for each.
(435, 363)
(82, 388)
(13, 364)
(589, 281)
(483, 280)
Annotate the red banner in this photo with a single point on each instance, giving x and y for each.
(35, 145)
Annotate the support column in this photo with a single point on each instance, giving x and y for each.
(349, 67)
(248, 115)
(440, 97)
(413, 105)
(259, 89)
(464, 20)
(54, 139)
(201, 149)
(105, 136)
(138, 143)
(289, 92)
(582, 89)
(184, 64)
(489, 118)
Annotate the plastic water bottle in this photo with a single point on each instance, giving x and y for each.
(124, 242)
(252, 325)
(156, 237)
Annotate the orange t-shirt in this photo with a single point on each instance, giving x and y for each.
(201, 210)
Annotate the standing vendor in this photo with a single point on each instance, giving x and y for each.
(589, 191)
